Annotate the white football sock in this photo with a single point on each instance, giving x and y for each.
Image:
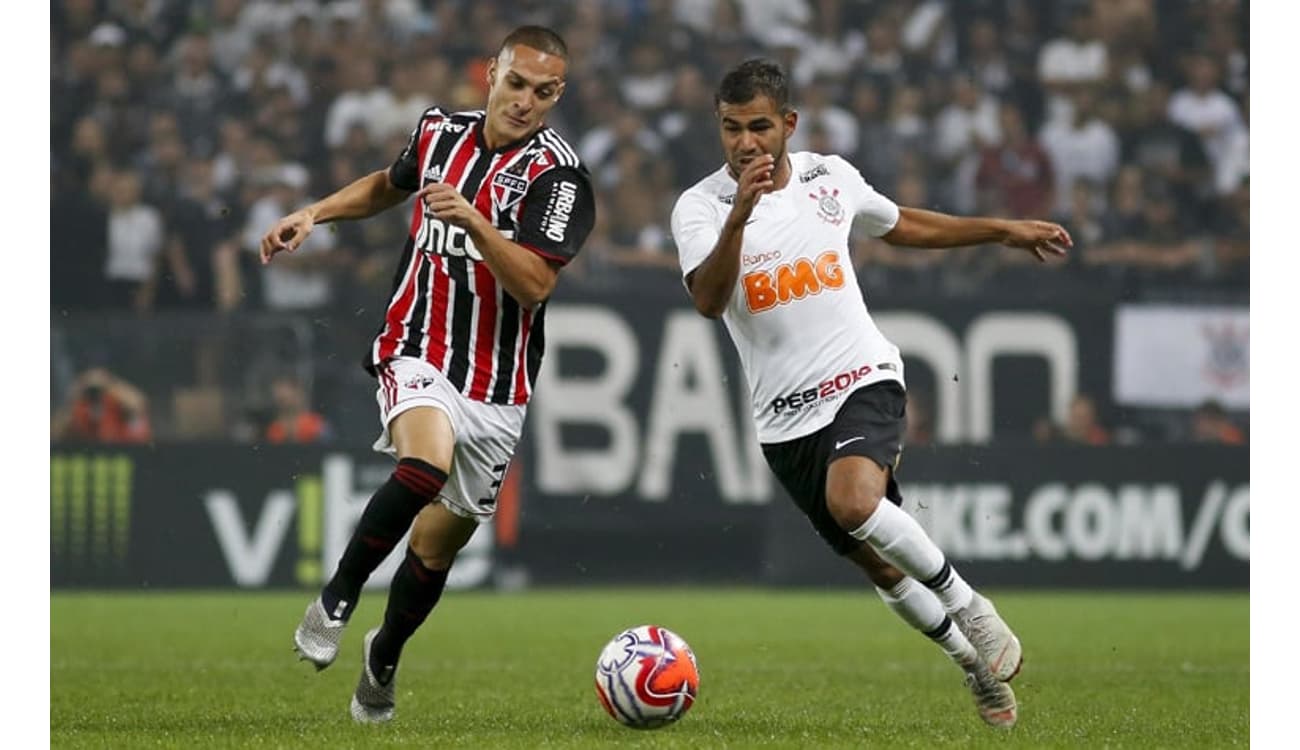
(901, 541)
(919, 607)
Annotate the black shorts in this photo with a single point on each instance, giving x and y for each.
(869, 423)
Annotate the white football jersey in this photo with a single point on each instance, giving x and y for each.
(797, 316)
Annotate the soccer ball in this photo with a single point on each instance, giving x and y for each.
(646, 677)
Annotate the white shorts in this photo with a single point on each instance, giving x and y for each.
(485, 434)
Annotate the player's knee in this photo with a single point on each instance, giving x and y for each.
(851, 503)
(430, 457)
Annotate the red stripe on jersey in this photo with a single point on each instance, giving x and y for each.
(521, 357)
(437, 330)
(400, 309)
(456, 165)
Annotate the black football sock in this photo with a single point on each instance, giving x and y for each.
(411, 597)
(387, 516)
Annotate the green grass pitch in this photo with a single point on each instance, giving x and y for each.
(779, 668)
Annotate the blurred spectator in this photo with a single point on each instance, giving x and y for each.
(1084, 147)
(1206, 110)
(927, 34)
(1210, 424)
(292, 420)
(878, 155)
(1014, 178)
(990, 68)
(1086, 219)
(1232, 244)
(883, 62)
(820, 110)
(831, 47)
(1147, 231)
(686, 126)
(627, 130)
(765, 18)
(1166, 150)
(102, 408)
(199, 263)
(637, 235)
(880, 264)
(413, 80)
(962, 129)
(230, 40)
(1072, 62)
(303, 279)
(1124, 214)
(363, 101)
(197, 91)
(647, 84)
(1081, 424)
(907, 119)
(163, 159)
(135, 239)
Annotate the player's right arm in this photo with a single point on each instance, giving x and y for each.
(713, 282)
(364, 197)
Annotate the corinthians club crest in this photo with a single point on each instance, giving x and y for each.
(829, 208)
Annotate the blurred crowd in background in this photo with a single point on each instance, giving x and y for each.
(180, 131)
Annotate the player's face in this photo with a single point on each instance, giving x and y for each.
(523, 86)
(752, 129)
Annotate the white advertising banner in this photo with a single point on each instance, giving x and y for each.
(1176, 356)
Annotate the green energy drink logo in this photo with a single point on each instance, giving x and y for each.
(90, 511)
(310, 525)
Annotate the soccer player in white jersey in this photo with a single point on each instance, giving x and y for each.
(763, 244)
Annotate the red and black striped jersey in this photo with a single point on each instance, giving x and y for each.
(446, 306)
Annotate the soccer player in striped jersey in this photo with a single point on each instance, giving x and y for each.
(763, 244)
(503, 203)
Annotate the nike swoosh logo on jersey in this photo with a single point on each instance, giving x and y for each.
(839, 444)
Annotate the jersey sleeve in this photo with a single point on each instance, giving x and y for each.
(695, 229)
(877, 213)
(557, 214)
(405, 170)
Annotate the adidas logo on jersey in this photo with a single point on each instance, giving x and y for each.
(433, 174)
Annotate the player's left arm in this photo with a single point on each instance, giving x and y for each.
(557, 215)
(917, 227)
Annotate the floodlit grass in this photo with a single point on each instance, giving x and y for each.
(778, 669)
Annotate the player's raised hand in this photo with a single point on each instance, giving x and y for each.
(287, 234)
(445, 202)
(756, 179)
(1042, 238)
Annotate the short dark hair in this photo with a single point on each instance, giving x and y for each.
(755, 77)
(539, 38)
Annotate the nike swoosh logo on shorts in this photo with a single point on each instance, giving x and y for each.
(839, 444)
